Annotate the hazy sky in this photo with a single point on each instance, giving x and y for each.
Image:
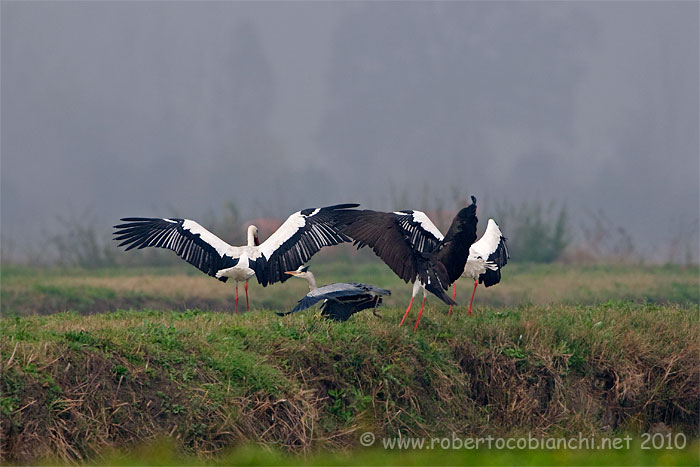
(113, 109)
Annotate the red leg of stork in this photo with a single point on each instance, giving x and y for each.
(407, 310)
(454, 294)
(472, 300)
(246, 296)
(419, 313)
(235, 307)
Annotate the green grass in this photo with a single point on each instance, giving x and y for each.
(164, 453)
(26, 292)
(301, 389)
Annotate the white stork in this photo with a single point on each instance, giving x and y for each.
(410, 244)
(302, 235)
(340, 300)
(486, 258)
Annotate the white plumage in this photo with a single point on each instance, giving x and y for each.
(302, 235)
(479, 252)
(486, 258)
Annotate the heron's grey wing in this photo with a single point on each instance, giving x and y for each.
(330, 291)
(371, 288)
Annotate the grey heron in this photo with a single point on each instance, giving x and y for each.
(340, 300)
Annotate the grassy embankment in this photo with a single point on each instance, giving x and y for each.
(552, 351)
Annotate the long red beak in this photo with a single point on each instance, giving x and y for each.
(291, 273)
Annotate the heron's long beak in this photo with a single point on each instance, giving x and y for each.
(291, 273)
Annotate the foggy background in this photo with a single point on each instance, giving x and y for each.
(117, 109)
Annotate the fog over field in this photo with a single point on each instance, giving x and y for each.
(113, 109)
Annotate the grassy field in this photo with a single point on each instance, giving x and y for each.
(31, 291)
(94, 362)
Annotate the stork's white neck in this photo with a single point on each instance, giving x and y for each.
(252, 233)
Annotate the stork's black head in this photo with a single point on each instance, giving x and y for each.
(470, 210)
(473, 205)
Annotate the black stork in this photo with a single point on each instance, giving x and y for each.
(301, 236)
(410, 244)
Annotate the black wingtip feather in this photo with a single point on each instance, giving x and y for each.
(439, 293)
(341, 206)
(142, 232)
(490, 277)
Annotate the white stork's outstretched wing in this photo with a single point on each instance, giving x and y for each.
(392, 237)
(422, 233)
(188, 239)
(301, 236)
